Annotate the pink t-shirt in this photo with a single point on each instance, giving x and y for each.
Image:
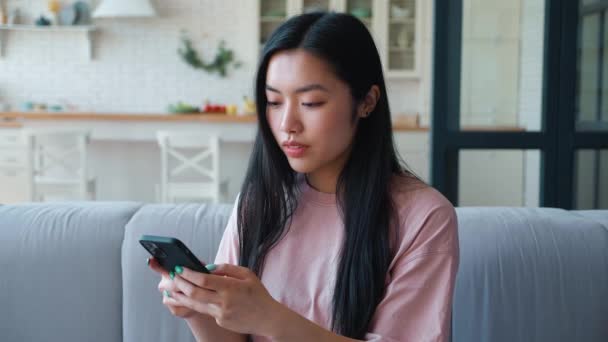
(300, 270)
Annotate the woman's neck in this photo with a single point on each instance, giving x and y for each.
(322, 183)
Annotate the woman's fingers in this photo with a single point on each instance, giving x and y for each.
(205, 281)
(156, 267)
(167, 284)
(233, 271)
(176, 308)
(195, 304)
(194, 292)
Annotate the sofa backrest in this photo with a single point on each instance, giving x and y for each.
(531, 274)
(200, 227)
(76, 272)
(60, 270)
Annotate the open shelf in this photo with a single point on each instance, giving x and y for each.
(87, 30)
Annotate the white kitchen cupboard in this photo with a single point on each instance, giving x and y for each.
(394, 24)
(14, 173)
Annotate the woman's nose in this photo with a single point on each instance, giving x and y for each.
(290, 121)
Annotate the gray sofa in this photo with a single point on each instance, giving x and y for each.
(75, 272)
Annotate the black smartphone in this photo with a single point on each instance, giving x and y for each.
(171, 252)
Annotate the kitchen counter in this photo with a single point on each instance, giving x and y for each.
(131, 127)
(398, 125)
(207, 117)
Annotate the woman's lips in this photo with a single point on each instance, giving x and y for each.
(295, 150)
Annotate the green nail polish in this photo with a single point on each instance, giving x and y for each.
(166, 293)
(179, 269)
(211, 267)
(171, 275)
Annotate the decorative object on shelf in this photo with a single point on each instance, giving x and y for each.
(232, 109)
(27, 106)
(67, 16)
(407, 120)
(399, 12)
(403, 39)
(13, 17)
(55, 108)
(2, 14)
(42, 21)
(275, 13)
(248, 106)
(361, 12)
(83, 13)
(55, 7)
(40, 107)
(223, 58)
(213, 108)
(124, 8)
(182, 108)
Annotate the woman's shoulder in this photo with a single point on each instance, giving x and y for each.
(424, 214)
(410, 192)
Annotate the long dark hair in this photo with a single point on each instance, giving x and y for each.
(269, 193)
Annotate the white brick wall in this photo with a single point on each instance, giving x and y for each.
(136, 67)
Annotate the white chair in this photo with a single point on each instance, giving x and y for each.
(190, 167)
(59, 160)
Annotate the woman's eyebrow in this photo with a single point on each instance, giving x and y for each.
(304, 89)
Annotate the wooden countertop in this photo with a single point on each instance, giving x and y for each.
(7, 117)
(10, 124)
(14, 119)
(20, 116)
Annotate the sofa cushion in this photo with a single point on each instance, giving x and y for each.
(200, 227)
(530, 274)
(61, 278)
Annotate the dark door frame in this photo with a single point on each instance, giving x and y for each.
(557, 141)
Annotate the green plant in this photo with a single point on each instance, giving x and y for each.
(223, 58)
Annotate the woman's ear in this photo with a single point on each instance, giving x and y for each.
(369, 102)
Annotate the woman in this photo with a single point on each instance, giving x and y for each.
(336, 241)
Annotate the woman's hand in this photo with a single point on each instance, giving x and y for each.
(167, 284)
(233, 295)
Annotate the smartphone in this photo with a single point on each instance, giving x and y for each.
(171, 252)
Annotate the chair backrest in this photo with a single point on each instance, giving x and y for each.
(58, 153)
(193, 152)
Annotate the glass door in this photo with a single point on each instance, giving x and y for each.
(520, 103)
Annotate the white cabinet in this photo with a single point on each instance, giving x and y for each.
(14, 185)
(394, 24)
(400, 31)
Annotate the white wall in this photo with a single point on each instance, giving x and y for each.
(136, 66)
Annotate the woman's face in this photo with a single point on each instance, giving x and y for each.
(310, 112)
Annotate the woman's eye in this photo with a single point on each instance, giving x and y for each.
(312, 104)
(273, 103)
